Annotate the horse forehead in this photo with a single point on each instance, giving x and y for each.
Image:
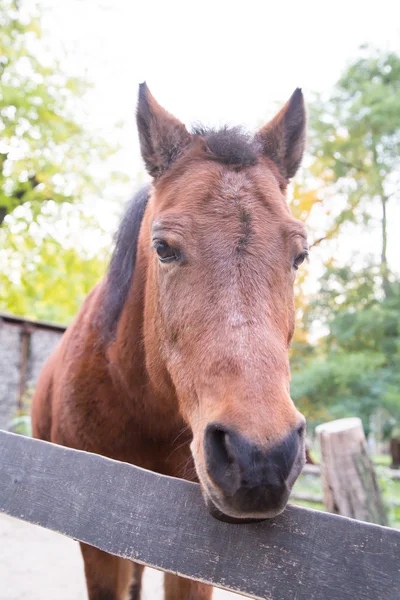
(252, 188)
(233, 185)
(211, 185)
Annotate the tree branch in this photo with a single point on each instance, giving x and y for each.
(3, 214)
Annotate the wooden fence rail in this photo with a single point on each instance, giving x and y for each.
(316, 470)
(162, 522)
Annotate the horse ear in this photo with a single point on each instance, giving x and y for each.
(283, 138)
(162, 137)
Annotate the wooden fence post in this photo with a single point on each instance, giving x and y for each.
(348, 477)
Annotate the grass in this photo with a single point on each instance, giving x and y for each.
(309, 484)
(383, 460)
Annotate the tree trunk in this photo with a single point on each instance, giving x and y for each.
(384, 263)
(384, 200)
(348, 477)
(395, 452)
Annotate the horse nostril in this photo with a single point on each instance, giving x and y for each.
(301, 429)
(222, 447)
(221, 459)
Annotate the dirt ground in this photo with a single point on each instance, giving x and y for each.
(37, 564)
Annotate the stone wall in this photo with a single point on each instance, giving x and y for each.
(24, 347)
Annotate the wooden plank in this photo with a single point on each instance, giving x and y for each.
(304, 497)
(388, 472)
(312, 470)
(318, 499)
(162, 522)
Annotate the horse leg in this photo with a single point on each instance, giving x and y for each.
(109, 577)
(178, 588)
(136, 582)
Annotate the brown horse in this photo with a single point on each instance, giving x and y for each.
(178, 359)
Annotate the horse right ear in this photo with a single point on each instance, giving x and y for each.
(283, 138)
(162, 137)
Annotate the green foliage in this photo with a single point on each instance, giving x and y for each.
(21, 425)
(355, 369)
(46, 275)
(51, 254)
(45, 152)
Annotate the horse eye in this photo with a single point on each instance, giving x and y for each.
(300, 259)
(165, 252)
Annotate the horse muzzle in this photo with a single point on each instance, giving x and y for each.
(247, 482)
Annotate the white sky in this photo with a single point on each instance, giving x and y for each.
(213, 61)
(210, 61)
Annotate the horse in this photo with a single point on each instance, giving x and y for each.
(178, 360)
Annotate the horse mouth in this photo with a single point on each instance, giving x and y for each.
(224, 509)
(221, 516)
(245, 505)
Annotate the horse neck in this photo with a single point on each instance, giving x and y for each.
(150, 396)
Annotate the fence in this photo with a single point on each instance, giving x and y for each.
(315, 498)
(162, 522)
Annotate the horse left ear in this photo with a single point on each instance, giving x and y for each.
(283, 138)
(162, 137)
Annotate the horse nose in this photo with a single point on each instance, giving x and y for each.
(253, 478)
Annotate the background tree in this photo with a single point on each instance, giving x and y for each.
(45, 270)
(51, 253)
(353, 367)
(356, 141)
(45, 152)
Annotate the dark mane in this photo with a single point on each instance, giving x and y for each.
(229, 145)
(122, 265)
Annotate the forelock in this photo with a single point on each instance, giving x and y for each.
(229, 145)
